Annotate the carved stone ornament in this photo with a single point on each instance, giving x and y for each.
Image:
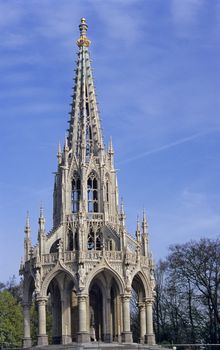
(82, 276)
(37, 281)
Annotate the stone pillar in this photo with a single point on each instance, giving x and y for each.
(66, 318)
(42, 333)
(142, 315)
(27, 342)
(83, 334)
(119, 318)
(126, 334)
(150, 332)
(107, 325)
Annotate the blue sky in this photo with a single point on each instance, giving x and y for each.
(157, 75)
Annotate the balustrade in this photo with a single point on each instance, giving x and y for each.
(111, 255)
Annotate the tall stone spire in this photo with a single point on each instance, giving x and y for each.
(145, 237)
(85, 135)
(89, 248)
(27, 238)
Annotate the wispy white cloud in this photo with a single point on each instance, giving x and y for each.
(185, 11)
(185, 14)
(164, 147)
(120, 24)
(10, 13)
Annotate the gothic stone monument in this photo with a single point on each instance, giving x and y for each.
(86, 267)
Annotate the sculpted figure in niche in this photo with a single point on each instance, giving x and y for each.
(128, 278)
(138, 256)
(152, 281)
(37, 281)
(82, 276)
(60, 247)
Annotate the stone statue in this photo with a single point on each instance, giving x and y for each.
(138, 257)
(128, 278)
(82, 276)
(37, 281)
(60, 247)
(152, 282)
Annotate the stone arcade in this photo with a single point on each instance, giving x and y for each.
(86, 267)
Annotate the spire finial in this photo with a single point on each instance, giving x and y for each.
(138, 232)
(59, 154)
(41, 211)
(83, 40)
(27, 220)
(110, 147)
(122, 207)
(144, 223)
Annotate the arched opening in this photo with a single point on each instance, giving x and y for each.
(70, 240)
(95, 240)
(137, 306)
(92, 193)
(54, 312)
(105, 312)
(76, 191)
(115, 312)
(107, 191)
(60, 309)
(54, 247)
(96, 313)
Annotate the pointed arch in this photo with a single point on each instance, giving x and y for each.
(76, 192)
(92, 193)
(107, 188)
(95, 272)
(140, 283)
(95, 239)
(53, 273)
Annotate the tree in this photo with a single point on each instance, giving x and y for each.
(188, 293)
(198, 265)
(11, 322)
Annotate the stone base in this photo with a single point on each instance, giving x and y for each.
(66, 339)
(56, 339)
(27, 342)
(83, 337)
(150, 339)
(142, 340)
(126, 337)
(42, 340)
(107, 338)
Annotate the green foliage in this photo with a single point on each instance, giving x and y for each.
(11, 320)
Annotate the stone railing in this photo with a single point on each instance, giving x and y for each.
(71, 256)
(95, 216)
(49, 258)
(93, 255)
(113, 255)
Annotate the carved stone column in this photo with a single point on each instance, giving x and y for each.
(142, 314)
(150, 332)
(27, 341)
(66, 318)
(107, 332)
(126, 334)
(42, 333)
(83, 334)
